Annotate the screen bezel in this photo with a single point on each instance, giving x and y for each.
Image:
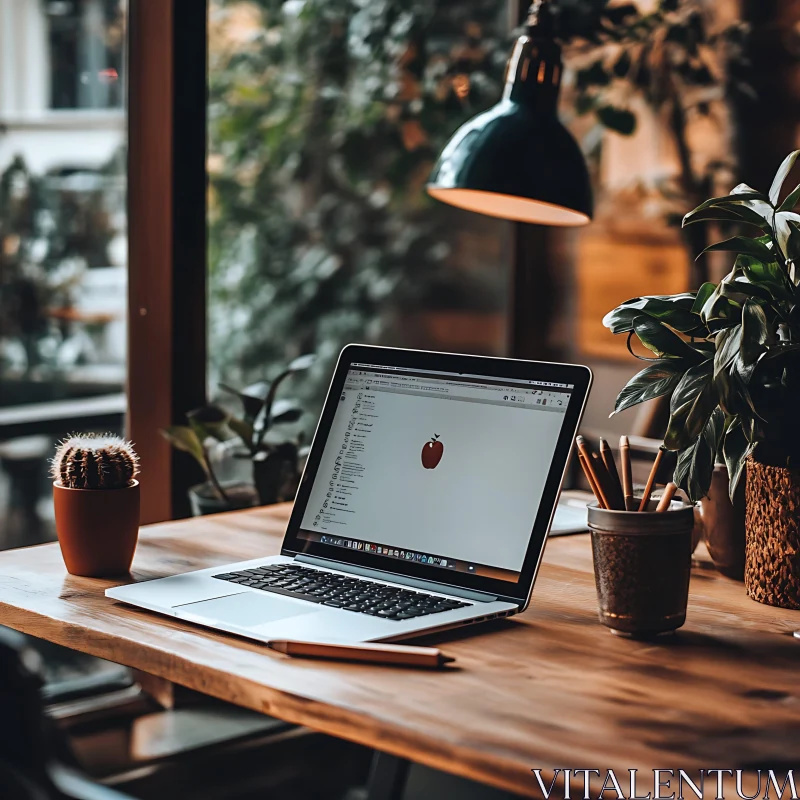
(501, 368)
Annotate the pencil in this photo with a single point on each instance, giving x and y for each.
(396, 654)
(666, 498)
(585, 451)
(627, 479)
(604, 482)
(648, 489)
(592, 481)
(611, 467)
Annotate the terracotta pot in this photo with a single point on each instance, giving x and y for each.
(97, 529)
(772, 528)
(723, 524)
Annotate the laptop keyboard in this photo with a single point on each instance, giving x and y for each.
(341, 591)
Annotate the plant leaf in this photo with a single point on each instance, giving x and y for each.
(696, 462)
(781, 175)
(793, 243)
(653, 381)
(736, 450)
(720, 308)
(791, 200)
(728, 344)
(758, 271)
(184, 438)
(675, 311)
(760, 205)
(727, 212)
(208, 421)
(743, 244)
(755, 332)
(298, 365)
(692, 402)
(703, 293)
(742, 195)
(290, 415)
(285, 411)
(302, 363)
(243, 429)
(252, 398)
(739, 289)
(780, 350)
(734, 395)
(783, 228)
(662, 341)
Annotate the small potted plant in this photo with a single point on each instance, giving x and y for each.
(96, 497)
(256, 435)
(206, 427)
(728, 356)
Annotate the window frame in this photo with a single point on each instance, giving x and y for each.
(167, 66)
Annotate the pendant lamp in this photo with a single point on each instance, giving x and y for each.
(517, 161)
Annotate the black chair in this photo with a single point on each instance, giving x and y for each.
(35, 761)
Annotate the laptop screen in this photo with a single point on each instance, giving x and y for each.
(442, 469)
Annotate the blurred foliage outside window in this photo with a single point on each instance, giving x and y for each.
(54, 231)
(682, 62)
(325, 118)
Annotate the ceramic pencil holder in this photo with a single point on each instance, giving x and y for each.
(642, 563)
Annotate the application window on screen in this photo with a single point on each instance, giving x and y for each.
(441, 469)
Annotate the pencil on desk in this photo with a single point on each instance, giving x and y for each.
(627, 478)
(396, 654)
(616, 487)
(648, 489)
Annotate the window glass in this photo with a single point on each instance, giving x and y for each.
(325, 118)
(63, 246)
(85, 40)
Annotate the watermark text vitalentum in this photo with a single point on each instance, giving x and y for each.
(666, 784)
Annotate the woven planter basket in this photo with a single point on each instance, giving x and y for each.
(772, 522)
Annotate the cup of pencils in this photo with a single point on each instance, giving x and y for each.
(642, 548)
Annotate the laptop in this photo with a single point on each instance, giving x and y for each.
(424, 505)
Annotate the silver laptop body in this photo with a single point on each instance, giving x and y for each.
(377, 487)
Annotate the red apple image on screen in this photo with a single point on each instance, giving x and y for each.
(432, 452)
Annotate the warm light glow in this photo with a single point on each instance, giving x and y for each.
(505, 206)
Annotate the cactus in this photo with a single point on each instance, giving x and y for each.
(93, 461)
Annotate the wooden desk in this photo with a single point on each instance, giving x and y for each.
(550, 688)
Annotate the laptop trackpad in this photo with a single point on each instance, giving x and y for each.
(246, 609)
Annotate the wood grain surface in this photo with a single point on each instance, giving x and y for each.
(550, 688)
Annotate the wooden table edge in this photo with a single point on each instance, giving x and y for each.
(290, 707)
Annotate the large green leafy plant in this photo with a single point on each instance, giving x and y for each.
(728, 354)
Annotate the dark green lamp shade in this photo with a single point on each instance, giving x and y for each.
(510, 162)
(516, 160)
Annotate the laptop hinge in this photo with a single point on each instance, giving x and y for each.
(418, 583)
